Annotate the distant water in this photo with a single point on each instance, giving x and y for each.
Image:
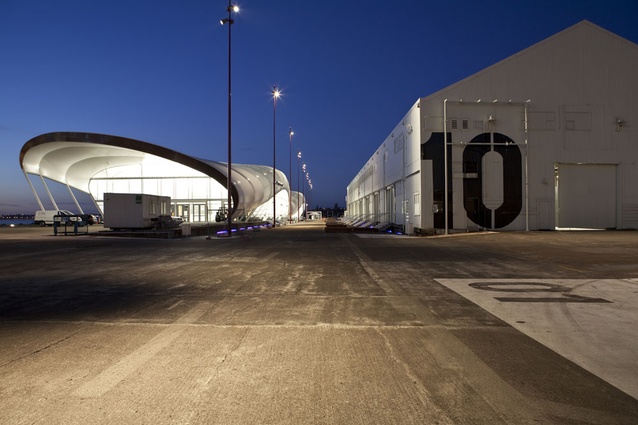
(16, 221)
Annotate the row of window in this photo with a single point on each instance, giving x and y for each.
(537, 120)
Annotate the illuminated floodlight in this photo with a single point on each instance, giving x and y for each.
(275, 95)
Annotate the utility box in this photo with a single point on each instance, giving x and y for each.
(134, 210)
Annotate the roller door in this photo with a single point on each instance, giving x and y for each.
(586, 196)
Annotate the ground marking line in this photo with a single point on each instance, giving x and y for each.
(112, 376)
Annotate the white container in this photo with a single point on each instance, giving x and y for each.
(134, 210)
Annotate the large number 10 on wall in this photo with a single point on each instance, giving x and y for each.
(473, 153)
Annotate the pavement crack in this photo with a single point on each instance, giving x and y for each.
(236, 347)
(415, 379)
(421, 391)
(39, 350)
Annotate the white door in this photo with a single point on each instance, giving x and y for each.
(586, 196)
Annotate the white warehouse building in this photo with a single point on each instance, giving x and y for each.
(545, 139)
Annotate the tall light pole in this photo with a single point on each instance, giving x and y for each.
(303, 168)
(309, 188)
(308, 199)
(290, 133)
(275, 95)
(230, 21)
(298, 180)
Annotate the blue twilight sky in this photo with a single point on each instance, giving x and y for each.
(156, 70)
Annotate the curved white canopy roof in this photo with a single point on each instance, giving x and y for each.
(75, 158)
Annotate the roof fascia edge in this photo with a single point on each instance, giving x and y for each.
(127, 143)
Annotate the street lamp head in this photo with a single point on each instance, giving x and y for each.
(291, 132)
(275, 92)
(229, 20)
(298, 154)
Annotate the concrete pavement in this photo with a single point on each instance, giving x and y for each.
(591, 322)
(294, 325)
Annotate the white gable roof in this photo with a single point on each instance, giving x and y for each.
(583, 62)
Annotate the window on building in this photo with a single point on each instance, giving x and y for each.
(183, 210)
(398, 143)
(199, 212)
(417, 203)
